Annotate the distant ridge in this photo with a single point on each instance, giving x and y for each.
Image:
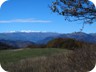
(44, 37)
(91, 37)
(27, 36)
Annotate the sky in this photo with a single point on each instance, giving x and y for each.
(35, 15)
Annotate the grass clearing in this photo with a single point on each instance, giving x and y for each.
(49, 60)
(7, 56)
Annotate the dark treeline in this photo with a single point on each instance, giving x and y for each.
(4, 46)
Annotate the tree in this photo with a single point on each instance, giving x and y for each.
(74, 10)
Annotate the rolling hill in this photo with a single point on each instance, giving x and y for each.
(23, 39)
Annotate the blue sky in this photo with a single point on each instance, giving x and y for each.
(35, 15)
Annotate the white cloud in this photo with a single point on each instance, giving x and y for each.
(24, 21)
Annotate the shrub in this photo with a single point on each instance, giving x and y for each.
(65, 43)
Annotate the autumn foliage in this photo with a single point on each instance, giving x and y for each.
(65, 43)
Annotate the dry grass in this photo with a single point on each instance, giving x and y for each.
(80, 60)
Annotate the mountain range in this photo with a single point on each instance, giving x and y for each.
(22, 39)
(24, 36)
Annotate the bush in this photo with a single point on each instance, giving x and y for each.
(65, 43)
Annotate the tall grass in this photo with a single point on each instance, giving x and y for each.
(79, 60)
(7, 56)
(12, 56)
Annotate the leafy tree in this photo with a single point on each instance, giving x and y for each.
(74, 10)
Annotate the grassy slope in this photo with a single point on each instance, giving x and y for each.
(81, 60)
(8, 56)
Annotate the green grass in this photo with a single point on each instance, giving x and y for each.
(7, 56)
